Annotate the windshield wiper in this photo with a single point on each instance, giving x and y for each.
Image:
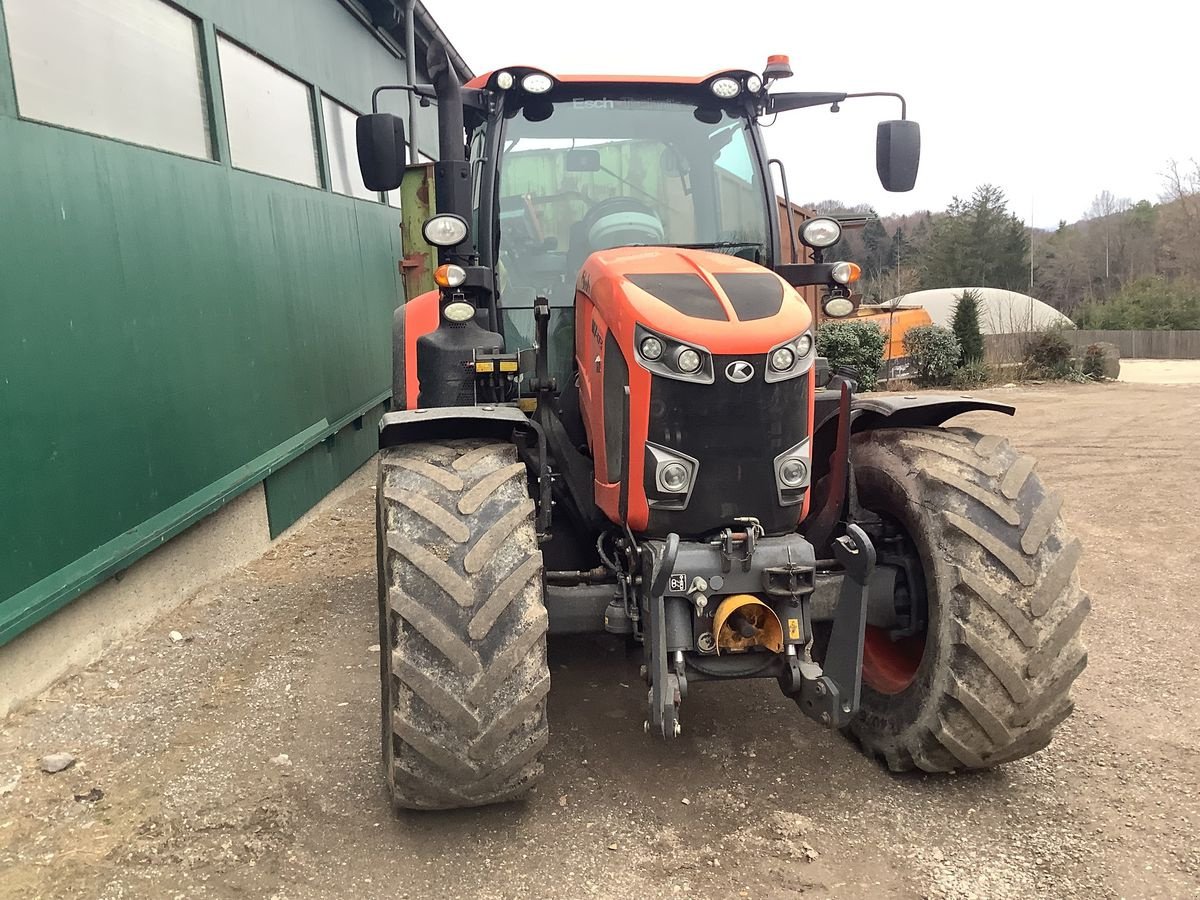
(714, 245)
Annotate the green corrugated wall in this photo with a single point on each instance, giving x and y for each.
(172, 331)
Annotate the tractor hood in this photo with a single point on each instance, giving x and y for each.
(715, 357)
(724, 303)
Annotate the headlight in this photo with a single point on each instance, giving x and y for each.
(838, 307)
(793, 472)
(753, 84)
(791, 359)
(688, 360)
(651, 348)
(783, 359)
(445, 230)
(845, 272)
(537, 83)
(820, 233)
(674, 477)
(667, 357)
(459, 311)
(504, 80)
(726, 88)
(670, 477)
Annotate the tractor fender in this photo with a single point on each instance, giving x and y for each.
(915, 410)
(496, 422)
(875, 411)
(417, 317)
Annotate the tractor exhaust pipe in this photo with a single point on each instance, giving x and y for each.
(451, 132)
(452, 172)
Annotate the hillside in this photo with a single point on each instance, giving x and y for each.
(1122, 264)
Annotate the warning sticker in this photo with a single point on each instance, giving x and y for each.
(793, 629)
(679, 583)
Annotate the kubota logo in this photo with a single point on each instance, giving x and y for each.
(739, 371)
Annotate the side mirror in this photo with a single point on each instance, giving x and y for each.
(898, 154)
(381, 150)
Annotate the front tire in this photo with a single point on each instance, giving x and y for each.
(990, 678)
(462, 625)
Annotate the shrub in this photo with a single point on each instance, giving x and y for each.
(966, 328)
(857, 345)
(1146, 303)
(1048, 355)
(1094, 359)
(934, 352)
(970, 376)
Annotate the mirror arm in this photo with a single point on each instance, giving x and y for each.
(805, 99)
(424, 91)
(776, 103)
(900, 97)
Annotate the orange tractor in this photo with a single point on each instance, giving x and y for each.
(610, 416)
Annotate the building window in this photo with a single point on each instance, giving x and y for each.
(127, 69)
(270, 117)
(340, 137)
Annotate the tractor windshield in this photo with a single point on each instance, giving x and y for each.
(591, 173)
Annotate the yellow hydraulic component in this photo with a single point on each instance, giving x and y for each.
(485, 366)
(743, 621)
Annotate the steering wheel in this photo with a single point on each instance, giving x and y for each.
(620, 221)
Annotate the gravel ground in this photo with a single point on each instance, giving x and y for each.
(241, 760)
(1160, 371)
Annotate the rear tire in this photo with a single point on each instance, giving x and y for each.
(462, 625)
(990, 679)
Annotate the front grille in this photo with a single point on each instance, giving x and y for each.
(734, 431)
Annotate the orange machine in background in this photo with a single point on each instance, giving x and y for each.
(894, 321)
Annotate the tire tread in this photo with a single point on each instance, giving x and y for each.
(1008, 589)
(465, 677)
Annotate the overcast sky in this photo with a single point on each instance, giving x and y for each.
(1053, 101)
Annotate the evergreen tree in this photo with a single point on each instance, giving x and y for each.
(877, 248)
(978, 242)
(966, 328)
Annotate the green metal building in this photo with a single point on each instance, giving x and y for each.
(196, 289)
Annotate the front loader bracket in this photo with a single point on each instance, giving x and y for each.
(666, 687)
(831, 696)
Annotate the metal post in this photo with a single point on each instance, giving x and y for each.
(410, 62)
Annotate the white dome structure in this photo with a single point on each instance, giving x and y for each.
(1000, 311)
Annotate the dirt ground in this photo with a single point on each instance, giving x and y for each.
(180, 789)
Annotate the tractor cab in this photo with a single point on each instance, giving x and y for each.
(541, 171)
(601, 165)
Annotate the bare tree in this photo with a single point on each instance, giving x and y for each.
(1179, 220)
(1106, 210)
